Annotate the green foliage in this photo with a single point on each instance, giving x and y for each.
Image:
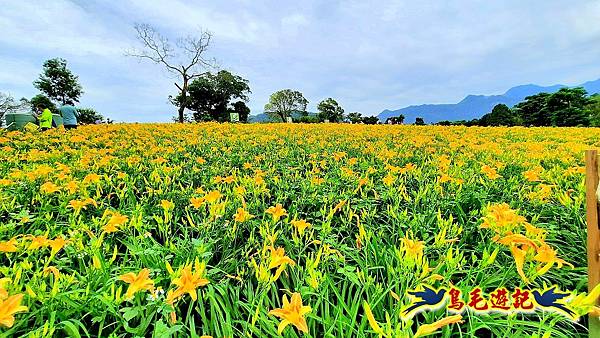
(593, 110)
(42, 101)
(307, 119)
(283, 103)
(501, 115)
(58, 83)
(89, 116)
(419, 121)
(567, 107)
(370, 120)
(209, 95)
(354, 117)
(330, 110)
(358, 245)
(395, 119)
(242, 109)
(532, 110)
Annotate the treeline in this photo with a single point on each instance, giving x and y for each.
(58, 86)
(568, 107)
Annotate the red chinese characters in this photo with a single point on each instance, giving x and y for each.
(476, 300)
(456, 303)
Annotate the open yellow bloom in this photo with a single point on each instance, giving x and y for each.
(167, 205)
(197, 202)
(412, 249)
(292, 313)
(515, 239)
(92, 178)
(57, 244)
(532, 175)
(279, 258)
(426, 329)
(9, 246)
(213, 196)
(388, 180)
(300, 225)
(38, 242)
(277, 212)
(545, 254)
(490, 172)
(242, 215)
(189, 281)
(9, 307)
(139, 282)
(78, 205)
(115, 221)
(49, 188)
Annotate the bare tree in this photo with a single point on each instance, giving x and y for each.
(186, 60)
(8, 105)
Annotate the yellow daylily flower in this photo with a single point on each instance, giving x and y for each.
(9, 246)
(292, 313)
(49, 188)
(300, 225)
(277, 212)
(242, 215)
(9, 307)
(189, 281)
(279, 258)
(137, 282)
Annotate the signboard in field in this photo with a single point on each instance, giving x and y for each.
(234, 117)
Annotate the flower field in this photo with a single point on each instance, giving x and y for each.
(264, 230)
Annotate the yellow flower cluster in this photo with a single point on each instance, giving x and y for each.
(281, 222)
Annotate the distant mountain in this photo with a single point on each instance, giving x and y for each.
(475, 106)
(263, 118)
(260, 118)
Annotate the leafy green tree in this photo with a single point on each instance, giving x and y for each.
(593, 110)
(243, 110)
(370, 120)
(285, 102)
(330, 110)
(419, 121)
(501, 115)
(307, 119)
(568, 107)
(41, 100)
(395, 119)
(532, 111)
(209, 95)
(354, 117)
(89, 116)
(58, 83)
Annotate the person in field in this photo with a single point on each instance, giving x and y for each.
(44, 117)
(69, 114)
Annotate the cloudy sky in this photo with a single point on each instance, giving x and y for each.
(368, 55)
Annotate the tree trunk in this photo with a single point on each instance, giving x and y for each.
(184, 99)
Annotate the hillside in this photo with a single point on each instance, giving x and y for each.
(474, 106)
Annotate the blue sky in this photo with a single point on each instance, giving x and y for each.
(369, 55)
